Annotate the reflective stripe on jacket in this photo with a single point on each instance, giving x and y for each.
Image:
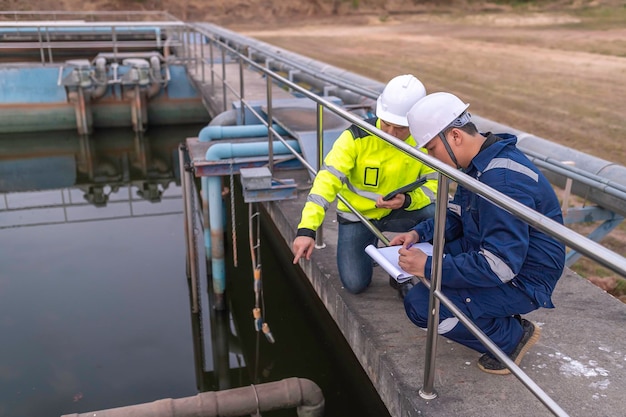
(362, 167)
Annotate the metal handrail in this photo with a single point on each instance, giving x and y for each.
(593, 250)
(45, 28)
(52, 14)
(273, 131)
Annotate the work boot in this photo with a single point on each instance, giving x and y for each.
(530, 336)
(393, 283)
(404, 288)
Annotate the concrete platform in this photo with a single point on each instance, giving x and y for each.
(579, 360)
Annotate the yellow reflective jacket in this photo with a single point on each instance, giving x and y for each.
(361, 167)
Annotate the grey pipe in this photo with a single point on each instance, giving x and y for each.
(101, 79)
(595, 179)
(225, 118)
(156, 78)
(287, 393)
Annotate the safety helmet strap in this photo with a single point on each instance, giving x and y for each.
(446, 145)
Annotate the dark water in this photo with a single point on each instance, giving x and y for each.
(94, 297)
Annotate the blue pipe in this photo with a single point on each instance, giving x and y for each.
(211, 132)
(204, 183)
(208, 133)
(216, 244)
(214, 197)
(230, 150)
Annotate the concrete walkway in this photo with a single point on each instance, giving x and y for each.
(579, 361)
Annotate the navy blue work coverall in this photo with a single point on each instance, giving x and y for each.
(494, 265)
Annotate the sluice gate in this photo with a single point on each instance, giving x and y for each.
(60, 75)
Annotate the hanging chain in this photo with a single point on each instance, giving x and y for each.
(232, 213)
(258, 312)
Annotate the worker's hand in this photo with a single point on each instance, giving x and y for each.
(412, 261)
(405, 239)
(302, 246)
(395, 203)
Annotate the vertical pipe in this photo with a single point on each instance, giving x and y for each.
(81, 113)
(319, 236)
(205, 215)
(216, 220)
(192, 260)
(186, 221)
(270, 121)
(137, 109)
(428, 392)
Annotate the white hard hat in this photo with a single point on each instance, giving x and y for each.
(397, 98)
(433, 114)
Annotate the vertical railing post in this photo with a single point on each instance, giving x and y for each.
(270, 120)
(114, 38)
(211, 66)
(202, 68)
(224, 77)
(319, 236)
(428, 392)
(41, 47)
(196, 36)
(188, 49)
(50, 58)
(185, 39)
(241, 92)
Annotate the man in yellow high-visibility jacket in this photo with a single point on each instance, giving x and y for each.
(364, 168)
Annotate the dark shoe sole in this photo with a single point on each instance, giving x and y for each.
(534, 338)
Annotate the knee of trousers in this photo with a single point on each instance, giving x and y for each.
(416, 306)
(355, 287)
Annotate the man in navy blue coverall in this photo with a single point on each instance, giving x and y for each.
(495, 266)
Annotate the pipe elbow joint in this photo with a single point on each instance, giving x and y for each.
(312, 399)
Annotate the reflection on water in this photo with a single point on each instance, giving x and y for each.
(94, 296)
